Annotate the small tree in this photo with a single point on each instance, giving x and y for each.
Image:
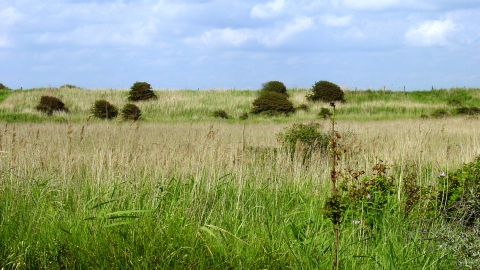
(326, 91)
(272, 103)
(131, 112)
(3, 87)
(49, 104)
(141, 91)
(274, 86)
(104, 110)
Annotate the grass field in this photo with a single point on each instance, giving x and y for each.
(184, 190)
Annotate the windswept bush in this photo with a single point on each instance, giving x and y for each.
(104, 110)
(49, 105)
(468, 110)
(275, 86)
(272, 103)
(325, 91)
(141, 91)
(131, 112)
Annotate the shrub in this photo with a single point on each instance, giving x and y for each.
(468, 110)
(104, 110)
(69, 86)
(324, 113)
(275, 86)
(439, 113)
(272, 103)
(131, 112)
(459, 194)
(244, 116)
(3, 87)
(305, 139)
(49, 104)
(220, 114)
(303, 107)
(141, 91)
(326, 91)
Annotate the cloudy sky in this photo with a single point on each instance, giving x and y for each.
(223, 44)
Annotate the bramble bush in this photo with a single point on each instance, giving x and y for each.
(220, 114)
(275, 86)
(272, 103)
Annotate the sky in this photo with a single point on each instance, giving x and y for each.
(230, 44)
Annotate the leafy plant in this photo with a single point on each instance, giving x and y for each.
(141, 91)
(326, 91)
(131, 112)
(220, 114)
(301, 138)
(459, 194)
(3, 87)
(104, 110)
(49, 104)
(272, 103)
(324, 113)
(275, 86)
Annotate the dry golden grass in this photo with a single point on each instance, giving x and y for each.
(117, 152)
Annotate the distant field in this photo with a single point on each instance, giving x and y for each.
(187, 106)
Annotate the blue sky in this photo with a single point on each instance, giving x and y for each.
(220, 44)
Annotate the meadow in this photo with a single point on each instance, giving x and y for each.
(184, 190)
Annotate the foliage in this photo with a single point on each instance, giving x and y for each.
(439, 113)
(70, 86)
(104, 110)
(220, 114)
(303, 107)
(244, 116)
(49, 104)
(468, 110)
(324, 113)
(141, 91)
(131, 112)
(272, 103)
(326, 91)
(303, 139)
(275, 86)
(3, 87)
(459, 194)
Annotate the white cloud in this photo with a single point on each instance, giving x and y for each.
(278, 37)
(336, 21)
(9, 16)
(431, 33)
(268, 10)
(227, 36)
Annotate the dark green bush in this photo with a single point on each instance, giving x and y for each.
(439, 113)
(326, 91)
(272, 103)
(220, 114)
(49, 104)
(468, 110)
(104, 110)
(303, 139)
(3, 87)
(141, 91)
(324, 113)
(131, 112)
(303, 107)
(275, 86)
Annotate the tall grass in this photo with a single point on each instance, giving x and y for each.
(206, 195)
